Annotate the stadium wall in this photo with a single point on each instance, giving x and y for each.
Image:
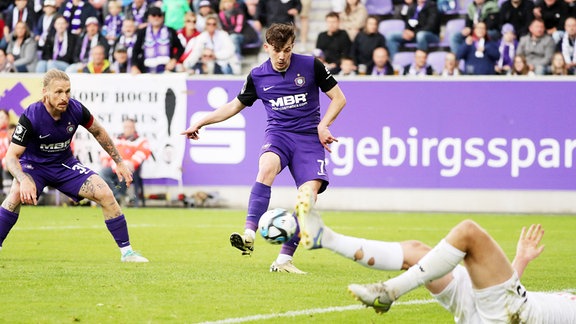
(467, 144)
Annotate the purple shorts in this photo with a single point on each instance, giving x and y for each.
(67, 177)
(302, 153)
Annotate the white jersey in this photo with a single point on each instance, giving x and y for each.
(508, 302)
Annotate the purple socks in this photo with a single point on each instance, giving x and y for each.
(258, 204)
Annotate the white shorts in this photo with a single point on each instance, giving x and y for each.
(458, 297)
(508, 302)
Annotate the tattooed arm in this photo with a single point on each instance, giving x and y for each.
(27, 184)
(122, 169)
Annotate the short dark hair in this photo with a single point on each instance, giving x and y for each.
(333, 14)
(278, 35)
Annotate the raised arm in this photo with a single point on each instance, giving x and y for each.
(528, 247)
(224, 112)
(100, 134)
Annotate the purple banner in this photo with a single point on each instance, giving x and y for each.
(461, 134)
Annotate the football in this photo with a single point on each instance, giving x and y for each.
(277, 226)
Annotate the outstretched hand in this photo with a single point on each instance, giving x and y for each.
(326, 138)
(124, 172)
(528, 247)
(191, 132)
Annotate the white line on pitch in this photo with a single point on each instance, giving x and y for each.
(307, 312)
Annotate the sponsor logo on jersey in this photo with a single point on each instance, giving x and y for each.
(289, 102)
(55, 147)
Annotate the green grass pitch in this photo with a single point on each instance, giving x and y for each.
(60, 265)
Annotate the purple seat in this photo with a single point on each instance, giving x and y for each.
(379, 7)
(401, 59)
(453, 26)
(436, 60)
(391, 25)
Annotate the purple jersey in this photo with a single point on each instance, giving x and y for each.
(291, 98)
(47, 140)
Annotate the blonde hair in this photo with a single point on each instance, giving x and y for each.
(54, 74)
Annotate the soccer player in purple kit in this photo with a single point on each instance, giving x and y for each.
(40, 156)
(288, 85)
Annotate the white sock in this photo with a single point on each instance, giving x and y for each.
(125, 249)
(283, 258)
(250, 233)
(372, 254)
(442, 259)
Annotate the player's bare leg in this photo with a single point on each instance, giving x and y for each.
(10, 211)
(484, 259)
(96, 189)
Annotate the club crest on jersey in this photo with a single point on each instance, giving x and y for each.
(300, 81)
(70, 129)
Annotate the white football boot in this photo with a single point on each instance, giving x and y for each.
(375, 295)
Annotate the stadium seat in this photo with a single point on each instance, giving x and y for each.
(390, 25)
(401, 59)
(379, 7)
(453, 26)
(436, 60)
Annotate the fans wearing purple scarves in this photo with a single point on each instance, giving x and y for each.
(157, 46)
(76, 13)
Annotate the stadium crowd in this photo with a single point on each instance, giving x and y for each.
(473, 37)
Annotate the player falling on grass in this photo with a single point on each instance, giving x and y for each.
(40, 156)
(288, 85)
(452, 288)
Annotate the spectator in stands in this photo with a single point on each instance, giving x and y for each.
(21, 11)
(568, 44)
(422, 25)
(521, 66)
(98, 62)
(519, 13)
(347, 66)
(121, 63)
(174, 12)
(77, 13)
(112, 27)
(88, 40)
(136, 11)
(507, 48)
(537, 47)
(304, 24)
(479, 53)
(450, 66)
(134, 150)
(420, 65)
(58, 52)
(558, 66)
(157, 48)
(22, 49)
(553, 13)
(380, 64)
(353, 18)
(219, 42)
(277, 11)
(366, 41)
(45, 23)
(187, 37)
(5, 65)
(334, 42)
(234, 22)
(208, 64)
(485, 11)
(127, 39)
(571, 8)
(205, 9)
